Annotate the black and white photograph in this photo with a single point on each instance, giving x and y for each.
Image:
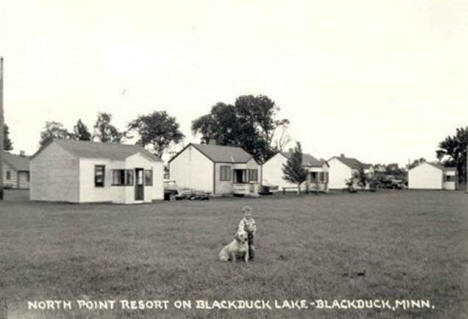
(233, 159)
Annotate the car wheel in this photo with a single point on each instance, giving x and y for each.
(172, 197)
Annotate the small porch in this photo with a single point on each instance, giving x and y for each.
(318, 181)
(245, 182)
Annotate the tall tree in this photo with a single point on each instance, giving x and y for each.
(282, 138)
(104, 131)
(250, 123)
(54, 129)
(7, 143)
(359, 178)
(453, 151)
(81, 132)
(157, 130)
(221, 124)
(293, 169)
(415, 163)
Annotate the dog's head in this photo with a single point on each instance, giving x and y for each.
(241, 237)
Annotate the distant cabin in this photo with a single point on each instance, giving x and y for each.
(432, 176)
(342, 168)
(15, 170)
(215, 169)
(317, 178)
(85, 172)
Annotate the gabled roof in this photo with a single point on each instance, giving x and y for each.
(113, 151)
(220, 153)
(440, 166)
(17, 162)
(307, 160)
(352, 162)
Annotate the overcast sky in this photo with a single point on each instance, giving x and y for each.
(382, 81)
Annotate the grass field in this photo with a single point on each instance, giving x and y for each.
(384, 245)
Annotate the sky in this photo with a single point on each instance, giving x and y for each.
(382, 81)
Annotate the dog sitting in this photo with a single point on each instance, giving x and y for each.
(238, 248)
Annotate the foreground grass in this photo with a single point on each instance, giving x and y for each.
(393, 245)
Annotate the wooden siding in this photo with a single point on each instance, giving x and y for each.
(338, 174)
(191, 169)
(54, 175)
(425, 176)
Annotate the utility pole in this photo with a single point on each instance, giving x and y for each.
(1, 128)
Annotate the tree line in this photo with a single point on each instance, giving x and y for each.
(252, 123)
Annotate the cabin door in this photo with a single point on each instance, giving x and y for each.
(139, 186)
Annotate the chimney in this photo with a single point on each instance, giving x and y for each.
(342, 155)
(212, 141)
(22, 154)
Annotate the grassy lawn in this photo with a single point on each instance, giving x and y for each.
(385, 245)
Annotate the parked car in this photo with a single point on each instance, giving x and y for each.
(397, 184)
(392, 184)
(268, 189)
(198, 195)
(172, 191)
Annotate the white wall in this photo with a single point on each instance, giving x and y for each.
(224, 187)
(13, 181)
(450, 185)
(156, 191)
(119, 194)
(425, 176)
(273, 172)
(23, 179)
(90, 193)
(158, 181)
(54, 175)
(338, 174)
(191, 169)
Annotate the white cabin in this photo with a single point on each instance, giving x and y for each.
(85, 172)
(342, 168)
(432, 176)
(272, 173)
(15, 170)
(215, 169)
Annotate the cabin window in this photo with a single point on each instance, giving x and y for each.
(8, 175)
(253, 175)
(149, 177)
(122, 177)
(99, 175)
(313, 177)
(450, 178)
(129, 176)
(118, 177)
(225, 173)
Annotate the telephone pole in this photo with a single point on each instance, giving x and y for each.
(1, 128)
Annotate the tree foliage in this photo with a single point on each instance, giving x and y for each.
(7, 143)
(452, 151)
(104, 131)
(250, 123)
(293, 169)
(81, 132)
(53, 129)
(415, 163)
(358, 179)
(158, 130)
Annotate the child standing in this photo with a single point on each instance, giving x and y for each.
(248, 225)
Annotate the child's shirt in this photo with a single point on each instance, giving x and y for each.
(248, 225)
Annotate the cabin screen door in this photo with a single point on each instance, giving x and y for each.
(139, 186)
